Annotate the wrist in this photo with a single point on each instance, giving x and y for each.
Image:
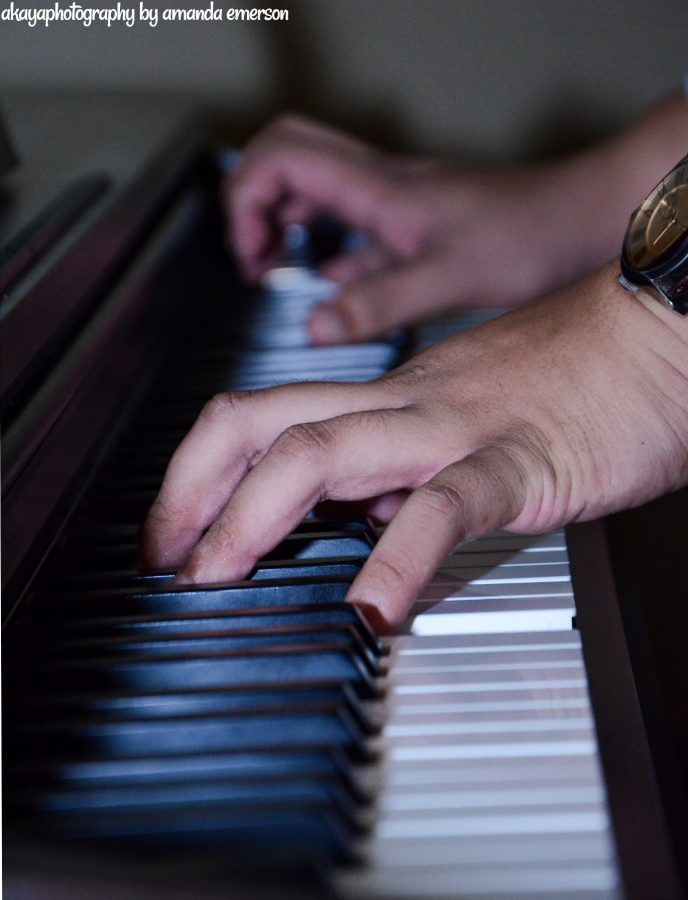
(650, 300)
(642, 320)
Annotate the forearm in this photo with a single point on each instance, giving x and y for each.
(592, 194)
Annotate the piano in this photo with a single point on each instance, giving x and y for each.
(525, 733)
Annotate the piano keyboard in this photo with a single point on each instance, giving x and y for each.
(265, 719)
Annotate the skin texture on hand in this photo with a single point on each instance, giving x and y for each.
(442, 236)
(562, 411)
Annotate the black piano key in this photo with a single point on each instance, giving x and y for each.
(272, 835)
(214, 716)
(126, 532)
(298, 664)
(269, 570)
(30, 708)
(189, 599)
(317, 545)
(319, 726)
(286, 618)
(90, 650)
(268, 765)
(379, 354)
(301, 787)
(74, 637)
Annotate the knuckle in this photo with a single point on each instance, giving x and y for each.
(412, 380)
(537, 484)
(441, 498)
(306, 441)
(220, 535)
(164, 515)
(522, 449)
(223, 407)
(391, 575)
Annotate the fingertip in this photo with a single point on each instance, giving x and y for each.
(181, 579)
(326, 326)
(156, 551)
(382, 621)
(384, 605)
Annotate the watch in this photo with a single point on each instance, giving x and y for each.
(655, 249)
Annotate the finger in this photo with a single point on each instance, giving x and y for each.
(379, 510)
(350, 186)
(350, 457)
(352, 266)
(292, 128)
(230, 435)
(385, 300)
(291, 211)
(383, 509)
(484, 491)
(295, 211)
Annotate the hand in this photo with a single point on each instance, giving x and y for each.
(565, 410)
(441, 236)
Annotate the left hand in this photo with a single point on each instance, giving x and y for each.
(565, 410)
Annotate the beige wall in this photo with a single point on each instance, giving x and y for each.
(497, 78)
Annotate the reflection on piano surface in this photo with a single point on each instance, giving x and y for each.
(257, 738)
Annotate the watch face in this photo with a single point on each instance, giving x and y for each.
(660, 226)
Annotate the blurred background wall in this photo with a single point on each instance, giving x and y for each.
(490, 78)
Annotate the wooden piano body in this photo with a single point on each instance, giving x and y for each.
(257, 740)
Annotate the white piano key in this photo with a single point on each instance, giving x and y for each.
(508, 550)
(493, 749)
(582, 882)
(445, 587)
(297, 283)
(534, 574)
(477, 668)
(428, 729)
(452, 799)
(506, 564)
(518, 771)
(479, 823)
(448, 671)
(505, 559)
(470, 704)
(500, 849)
(446, 646)
(516, 655)
(496, 622)
(509, 539)
(427, 687)
(465, 643)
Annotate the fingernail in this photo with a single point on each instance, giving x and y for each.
(326, 327)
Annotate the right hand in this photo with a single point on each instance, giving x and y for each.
(566, 410)
(441, 236)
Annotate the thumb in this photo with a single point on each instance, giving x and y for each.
(385, 300)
